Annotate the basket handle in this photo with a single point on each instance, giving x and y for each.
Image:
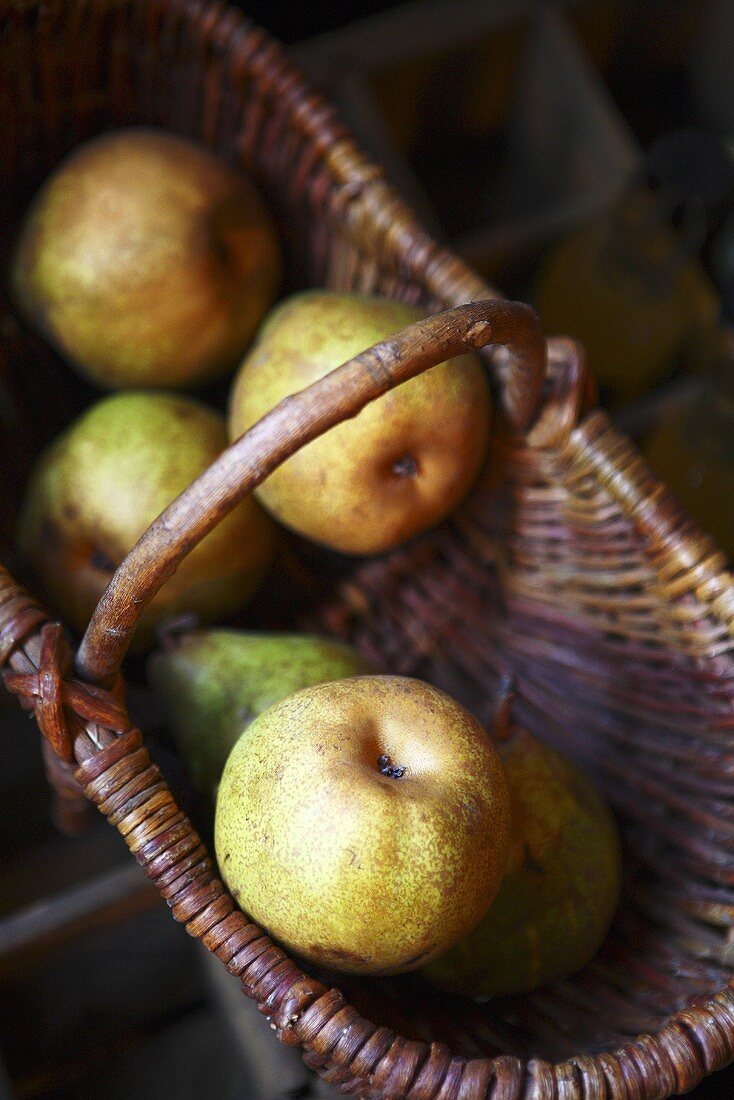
(294, 422)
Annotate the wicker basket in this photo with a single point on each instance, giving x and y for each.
(569, 571)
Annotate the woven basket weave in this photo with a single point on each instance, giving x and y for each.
(570, 572)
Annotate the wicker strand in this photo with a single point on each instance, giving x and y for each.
(20, 615)
(38, 690)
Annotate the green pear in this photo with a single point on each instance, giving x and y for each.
(213, 683)
(561, 886)
(399, 467)
(104, 480)
(146, 261)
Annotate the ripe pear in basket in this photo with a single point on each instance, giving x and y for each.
(561, 885)
(146, 261)
(100, 484)
(214, 683)
(397, 468)
(364, 823)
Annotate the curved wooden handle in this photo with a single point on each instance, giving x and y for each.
(285, 429)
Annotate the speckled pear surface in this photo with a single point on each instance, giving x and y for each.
(364, 823)
(214, 683)
(146, 261)
(101, 483)
(398, 467)
(561, 886)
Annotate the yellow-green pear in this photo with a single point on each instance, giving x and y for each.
(364, 823)
(561, 886)
(103, 481)
(402, 465)
(145, 260)
(214, 683)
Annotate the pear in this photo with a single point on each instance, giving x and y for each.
(561, 886)
(213, 683)
(364, 823)
(145, 260)
(400, 466)
(104, 480)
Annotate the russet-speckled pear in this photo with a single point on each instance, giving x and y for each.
(214, 683)
(104, 480)
(364, 823)
(147, 261)
(402, 465)
(561, 886)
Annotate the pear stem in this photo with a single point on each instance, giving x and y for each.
(386, 767)
(295, 421)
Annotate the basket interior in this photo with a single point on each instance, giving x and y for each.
(567, 569)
